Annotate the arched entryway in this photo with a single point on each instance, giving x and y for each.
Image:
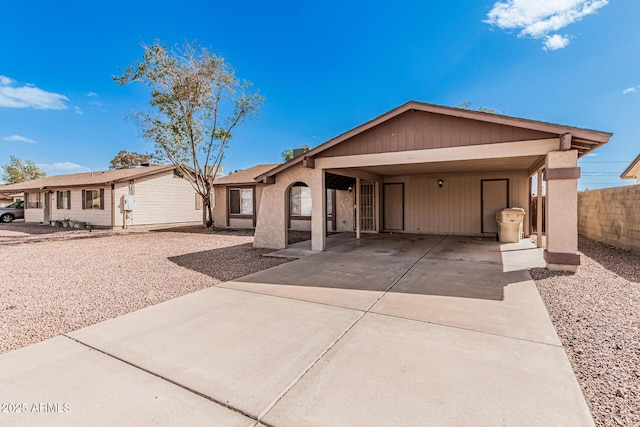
(298, 212)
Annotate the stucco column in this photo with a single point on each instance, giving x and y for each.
(271, 231)
(539, 210)
(318, 210)
(561, 174)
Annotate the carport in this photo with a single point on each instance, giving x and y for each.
(429, 169)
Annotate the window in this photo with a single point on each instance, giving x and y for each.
(198, 202)
(93, 199)
(300, 202)
(241, 201)
(330, 195)
(33, 200)
(64, 199)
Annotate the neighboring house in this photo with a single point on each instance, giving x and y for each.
(154, 195)
(424, 168)
(633, 171)
(8, 198)
(238, 198)
(5, 199)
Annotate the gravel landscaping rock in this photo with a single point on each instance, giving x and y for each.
(52, 287)
(596, 313)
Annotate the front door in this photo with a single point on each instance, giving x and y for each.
(495, 197)
(393, 207)
(47, 206)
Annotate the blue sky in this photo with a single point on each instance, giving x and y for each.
(323, 67)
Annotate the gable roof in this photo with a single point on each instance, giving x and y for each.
(633, 171)
(584, 140)
(86, 179)
(245, 176)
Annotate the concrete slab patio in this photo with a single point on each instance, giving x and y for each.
(388, 330)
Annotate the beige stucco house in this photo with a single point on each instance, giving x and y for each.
(114, 198)
(423, 168)
(633, 171)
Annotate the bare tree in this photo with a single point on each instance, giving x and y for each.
(197, 101)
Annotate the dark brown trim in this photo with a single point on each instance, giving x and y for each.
(561, 173)
(561, 258)
(384, 219)
(482, 198)
(240, 216)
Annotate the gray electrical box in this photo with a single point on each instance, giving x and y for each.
(129, 201)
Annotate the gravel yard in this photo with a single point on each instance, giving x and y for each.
(597, 315)
(52, 287)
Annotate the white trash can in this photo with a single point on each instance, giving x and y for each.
(510, 225)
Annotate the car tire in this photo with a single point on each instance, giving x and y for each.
(6, 218)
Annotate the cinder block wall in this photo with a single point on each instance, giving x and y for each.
(611, 215)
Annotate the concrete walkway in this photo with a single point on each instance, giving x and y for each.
(402, 330)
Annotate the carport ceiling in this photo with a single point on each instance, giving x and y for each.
(458, 166)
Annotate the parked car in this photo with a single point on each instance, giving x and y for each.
(13, 211)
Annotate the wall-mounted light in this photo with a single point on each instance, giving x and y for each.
(440, 182)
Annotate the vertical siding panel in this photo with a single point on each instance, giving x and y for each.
(455, 133)
(393, 135)
(445, 133)
(474, 133)
(419, 126)
(371, 142)
(386, 143)
(436, 129)
(410, 131)
(378, 141)
(401, 132)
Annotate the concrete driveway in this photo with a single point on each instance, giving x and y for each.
(387, 331)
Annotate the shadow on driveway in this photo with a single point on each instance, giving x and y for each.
(228, 263)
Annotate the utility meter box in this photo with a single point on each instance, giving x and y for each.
(510, 225)
(129, 201)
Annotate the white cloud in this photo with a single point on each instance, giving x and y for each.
(92, 94)
(538, 19)
(18, 138)
(62, 168)
(78, 110)
(5, 81)
(555, 42)
(29, 96)
(629, 90)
